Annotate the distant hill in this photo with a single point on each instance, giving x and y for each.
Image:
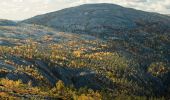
(4, 22)
(102, 18)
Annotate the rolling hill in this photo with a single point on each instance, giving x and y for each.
(102, 19)
(88, 52)
(142, 35)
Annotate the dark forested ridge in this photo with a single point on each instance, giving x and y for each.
(4, 22)
(88, 52)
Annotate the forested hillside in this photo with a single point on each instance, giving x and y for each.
(89, 52)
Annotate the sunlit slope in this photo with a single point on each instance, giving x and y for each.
(41, 56)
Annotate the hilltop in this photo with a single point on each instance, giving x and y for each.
(102, 19)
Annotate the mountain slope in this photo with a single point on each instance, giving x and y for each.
(101, 18)
(124, 55)
(143, 35)
(41, 56)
